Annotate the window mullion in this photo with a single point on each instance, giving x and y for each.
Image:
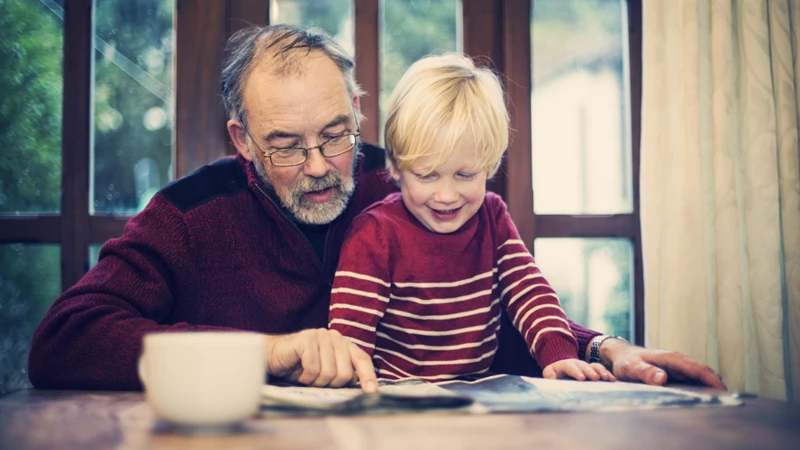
(517, 70)
(76, 138)
(635, 67)
(367, 57)
(200, 121)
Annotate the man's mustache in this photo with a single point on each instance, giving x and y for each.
(319, 184)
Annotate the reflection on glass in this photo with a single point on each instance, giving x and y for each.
(335, 17)
(411, 30)
(30, 280)
(580, 107)
(593, 279)
(31, 85)
(133, 103)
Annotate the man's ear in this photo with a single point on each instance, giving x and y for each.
(239, 139)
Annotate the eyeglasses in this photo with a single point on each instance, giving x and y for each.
(294, 156)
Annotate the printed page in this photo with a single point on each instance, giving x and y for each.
(507, 393)
(405, 396)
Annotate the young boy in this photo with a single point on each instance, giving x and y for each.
(423, 274)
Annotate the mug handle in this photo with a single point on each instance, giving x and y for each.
(142, 376)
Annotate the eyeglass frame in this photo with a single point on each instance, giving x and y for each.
(321, 146)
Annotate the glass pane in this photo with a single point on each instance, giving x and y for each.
(31, 83)
(593, 279)
(580, 107)
(94, 254)
(30, 280)
(133, 102)
(335, 17)
(411, 30)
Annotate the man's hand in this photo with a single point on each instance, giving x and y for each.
(320, 358)
(632, 363)
(577, 369)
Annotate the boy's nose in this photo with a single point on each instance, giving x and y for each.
(446, 194)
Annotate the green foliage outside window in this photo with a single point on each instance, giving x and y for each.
(132, 129)
(30, 172)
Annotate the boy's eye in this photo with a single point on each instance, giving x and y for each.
(465, 176)
(428, 177)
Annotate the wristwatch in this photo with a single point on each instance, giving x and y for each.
(594, 354)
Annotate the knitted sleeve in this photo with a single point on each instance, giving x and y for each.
(531, 303)
(91, 336)
(361, 286)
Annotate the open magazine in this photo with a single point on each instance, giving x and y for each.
(498, 393)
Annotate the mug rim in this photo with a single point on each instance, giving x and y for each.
(201, 337)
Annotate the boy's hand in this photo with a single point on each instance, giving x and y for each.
(577, 369)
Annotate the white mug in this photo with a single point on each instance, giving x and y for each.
(203, 378)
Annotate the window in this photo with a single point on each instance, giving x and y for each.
(31, 81)
(133, 98)
(69, 181)
(576, 150)
(335, 17)
(409, 31)
(59, 164)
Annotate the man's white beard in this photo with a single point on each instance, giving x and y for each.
(304, 210)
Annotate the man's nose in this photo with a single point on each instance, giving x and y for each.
(316, 164)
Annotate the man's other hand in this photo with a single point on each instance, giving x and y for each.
(320, 358)
(652, 366)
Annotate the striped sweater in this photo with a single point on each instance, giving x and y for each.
(428, 305)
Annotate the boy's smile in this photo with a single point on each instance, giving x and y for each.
(445, 198)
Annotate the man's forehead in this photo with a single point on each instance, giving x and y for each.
(315, 78)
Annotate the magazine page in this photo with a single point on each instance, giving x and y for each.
(393, 397)
(510, 393)
(498, 393)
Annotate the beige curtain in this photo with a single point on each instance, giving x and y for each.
(720, 187)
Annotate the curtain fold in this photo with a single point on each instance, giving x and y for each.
(720, 187)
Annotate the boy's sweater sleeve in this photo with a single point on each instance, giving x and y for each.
(531, 303)
(361, 286)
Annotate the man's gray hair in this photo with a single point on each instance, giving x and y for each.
(283, 43)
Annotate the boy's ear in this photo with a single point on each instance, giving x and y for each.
(394, 172)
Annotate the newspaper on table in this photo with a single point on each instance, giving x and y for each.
(498, 393)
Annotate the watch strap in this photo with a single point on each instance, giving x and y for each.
(594, 353)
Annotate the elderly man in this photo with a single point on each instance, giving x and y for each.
(252, 242)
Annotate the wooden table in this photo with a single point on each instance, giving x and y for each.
(101, 420)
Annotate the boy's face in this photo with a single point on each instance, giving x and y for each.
(451, 194)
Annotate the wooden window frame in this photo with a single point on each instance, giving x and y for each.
(495, 32)
(200, 135)
(520, 198)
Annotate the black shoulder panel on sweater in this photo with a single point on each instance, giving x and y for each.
(374, 157)
(222, 178)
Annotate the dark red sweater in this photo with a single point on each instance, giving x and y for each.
(210, 252)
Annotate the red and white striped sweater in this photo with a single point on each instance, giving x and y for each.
(428, 305)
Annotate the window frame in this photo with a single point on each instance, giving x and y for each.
(520, 199)
(495, 32)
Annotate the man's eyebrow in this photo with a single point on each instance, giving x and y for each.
(279, 134)
(338, 120)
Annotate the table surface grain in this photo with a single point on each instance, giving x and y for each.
(36, 419)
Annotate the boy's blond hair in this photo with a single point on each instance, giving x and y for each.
(447, 93)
